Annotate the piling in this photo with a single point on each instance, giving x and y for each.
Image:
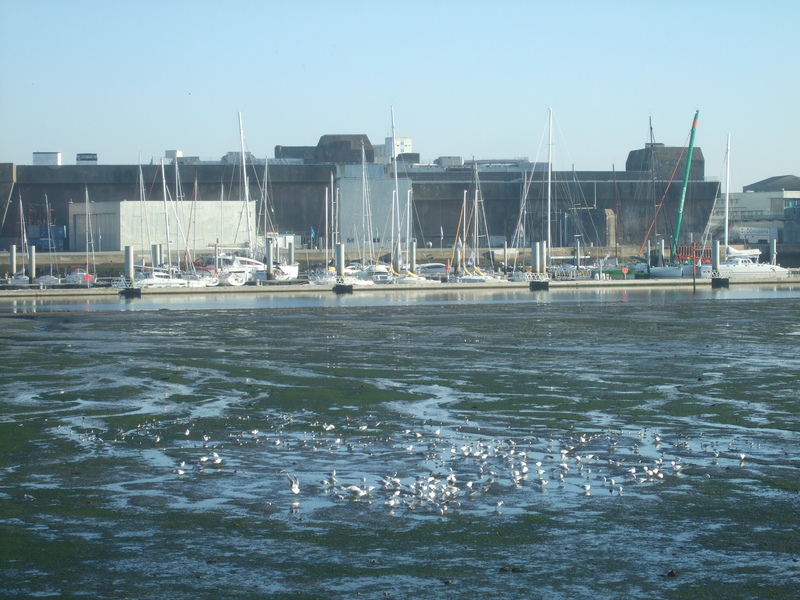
(544, 257)
(129, 263)
(269, 261)
(341, 287)
(540, 279)
(32, 263)
(716, 280)
(339, 259)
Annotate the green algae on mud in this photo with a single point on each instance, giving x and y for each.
(107, 443)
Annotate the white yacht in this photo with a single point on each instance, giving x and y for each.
(742, 267)
(237, 270)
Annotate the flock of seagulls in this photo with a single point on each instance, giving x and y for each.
(430, 468)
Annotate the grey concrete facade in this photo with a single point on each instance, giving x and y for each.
(602, 208)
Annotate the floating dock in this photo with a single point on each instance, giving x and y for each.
(34, 291)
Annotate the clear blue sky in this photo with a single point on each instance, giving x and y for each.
(469, 78)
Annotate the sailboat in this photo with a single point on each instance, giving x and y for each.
(474, 228)
(166, 275)
(739, 264)
(519, 272)
(49, 278)
(79, 274)
(522, 234)
(20, 278)
(235, 270)
(401, 273)
(695, 268)
(282, 270)
(240, 266)
(366, 268)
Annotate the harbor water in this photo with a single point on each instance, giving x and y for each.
(564, 444)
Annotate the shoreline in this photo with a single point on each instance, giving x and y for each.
(307, 288)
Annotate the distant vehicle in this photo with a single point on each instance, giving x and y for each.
(432, 270)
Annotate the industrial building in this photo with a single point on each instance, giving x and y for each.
(343, 189)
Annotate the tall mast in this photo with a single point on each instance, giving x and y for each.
(166, 212)
(727, 188)
(88, 226)
(408, 227)
(23, 236)
(144, 227)
(265, 202)
(549, 183)
(327, 226)
(463, 233)
(336, 218)
(366, 210)
(174, 203)
(49, 233)
(330, 222)
(268, 224)
(246, 190)
(195, 194)
(653, 175)
(85, 210)
(360, 234)
(685, 185)
(475, 220)
(396, 209)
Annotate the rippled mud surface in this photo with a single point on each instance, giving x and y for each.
(618, 450)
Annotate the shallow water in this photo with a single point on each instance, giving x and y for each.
(387, 296)
(497, 449)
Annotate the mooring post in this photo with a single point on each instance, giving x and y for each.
(32, 263)
(339, 259)
(268, 260)
(129, 264)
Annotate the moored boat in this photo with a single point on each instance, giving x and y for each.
(742, 267)
(48, 280)
(19, 279)
(148, 277)
(740, 264)
(77, 275)
(237, 270)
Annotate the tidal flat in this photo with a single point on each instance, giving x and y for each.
(540, 450)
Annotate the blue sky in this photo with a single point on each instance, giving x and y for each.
(127, 79)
